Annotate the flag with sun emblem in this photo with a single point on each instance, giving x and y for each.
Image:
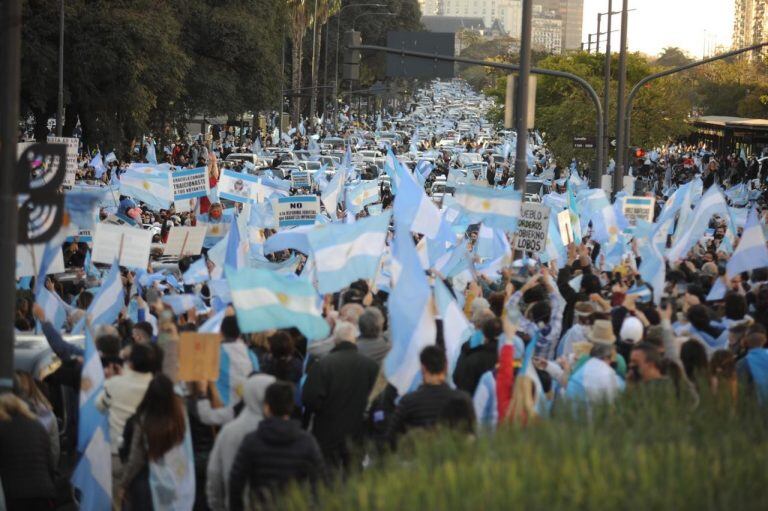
(150, 184)
(494, 208)
(265, 300)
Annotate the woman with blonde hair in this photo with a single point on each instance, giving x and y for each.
(522, 409)
(26, 464)
(26, 388)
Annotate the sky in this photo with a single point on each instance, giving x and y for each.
(693, 25)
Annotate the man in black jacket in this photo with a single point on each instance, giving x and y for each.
(423, 407)
(278, 452)
(336, 393)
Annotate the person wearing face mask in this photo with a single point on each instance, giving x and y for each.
(214, 219)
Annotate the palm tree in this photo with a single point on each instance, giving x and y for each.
(325, 9)
(299, 18)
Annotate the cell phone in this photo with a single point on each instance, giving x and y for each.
(664, 302)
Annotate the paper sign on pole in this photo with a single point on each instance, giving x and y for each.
(190, 183)
(564, 224)
(236, 186)
(638, 207)
(130, 246)
(185, 241)
(300, 179)
(198, 356)
(29, 258)
(296, 210)
(72, 145)
(532, 227)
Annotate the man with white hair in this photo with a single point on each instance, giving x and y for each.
(336, 394)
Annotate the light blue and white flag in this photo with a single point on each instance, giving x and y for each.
(411, 317)
(256, 147)
(334, 192)
(93, 474)
(265, 300)
(362, 194)
(213, 324)
(415, 211)
(98, 165)
(197, 273)
(106, 306)
(653, 269)
(751, 252)
(53, 307)
(172, 477)
(555, 249)
(181, 304)
(456, 328)
(237, 247)
(110, 158)
(148, 184)
(712, 202)
(344, 253)
(494, 208)
(81, 205)
(151, 153)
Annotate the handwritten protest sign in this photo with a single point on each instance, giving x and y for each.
(185, 241)
(130, 246)
(198, 356)
(532, 227)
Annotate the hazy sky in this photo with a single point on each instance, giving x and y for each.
(655, 24)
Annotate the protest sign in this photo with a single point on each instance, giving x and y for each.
(532, 228)
(564, 224)
(185, 241)
(300, 179)
(297, 210)
(29, 258)
(79, 235)
(184, 205)
(190, 183)
(198, 356)
(72, 145)
(638, 207)
(130, 246)
(236, 186)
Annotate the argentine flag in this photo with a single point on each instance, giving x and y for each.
(265, 300)
(148, 184)
(712, 202)
(411, 315)
(362, 194)
(98, 165)
(494, 208)
(344, 253)
(53, 306)
(180, 304)
(197, 273)
(456, 328)
(93, 474)
(106, 306)
(751, 252)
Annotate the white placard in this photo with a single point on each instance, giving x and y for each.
(184, 205)
(296, 210)
(300, 179)
(532, 228)
(29, 258)
(564, 224)
(72, 146)
(638, 207)
(185, 241)
(130, 246)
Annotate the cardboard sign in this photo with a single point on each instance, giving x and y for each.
(130, 246)
(198, 356)
(190, 183)
(300, 179)
(564, 224)
(29, 258)
(532, 228)
(72, 145)
(638, 207)
(185, 241)
(236, 186)
(296, 210)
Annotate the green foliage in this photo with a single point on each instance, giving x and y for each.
(672, 56)
(134, 66)
(563, 109)
(649, 451)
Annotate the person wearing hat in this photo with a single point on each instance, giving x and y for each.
(582, 315)
(600, 333)
(594, 379)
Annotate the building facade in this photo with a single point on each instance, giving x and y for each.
(750, 23)
(546, 30)
(571, 14)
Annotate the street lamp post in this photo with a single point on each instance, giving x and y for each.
(354, 21)
(521, 159)
(60, 109)
(618, 173)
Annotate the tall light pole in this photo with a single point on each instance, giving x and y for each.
(60, 109)
(354, 21)
(618, 173)
(521, 159)
(336, 63)
(313, 78)
(607, 85)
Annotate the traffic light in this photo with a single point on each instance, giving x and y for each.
(351, 57)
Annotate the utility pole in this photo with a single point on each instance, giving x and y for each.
(10, 70)
(606, 90)
(618, 173)
(597, 44)
(60, 110)
(521, 160)
(313, 93)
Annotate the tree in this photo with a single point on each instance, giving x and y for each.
(299, 20)
(325, 9)
(672, 56)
